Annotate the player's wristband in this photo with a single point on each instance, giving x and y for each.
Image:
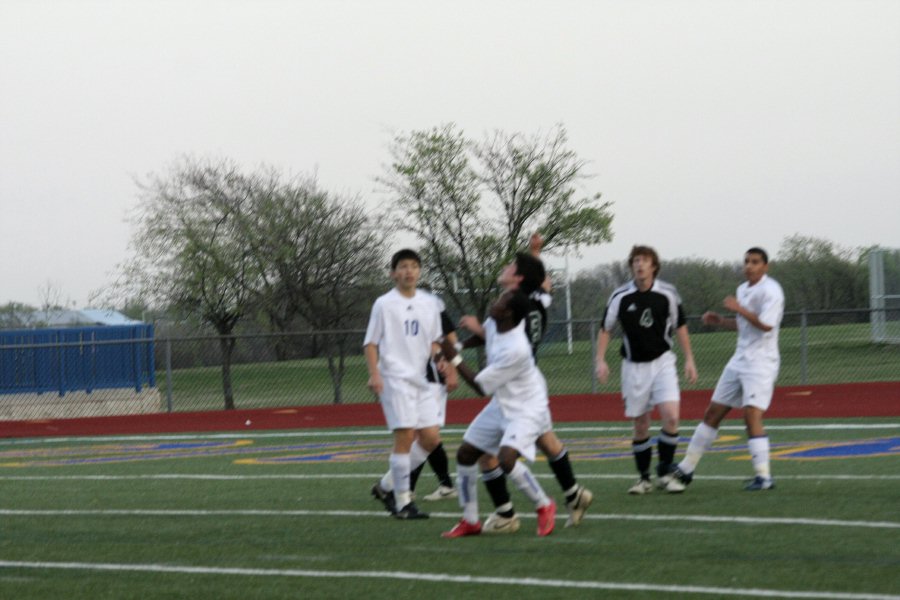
(456, 360)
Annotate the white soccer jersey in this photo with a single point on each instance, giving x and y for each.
(758, 349)
(404, 330)
(511, 375)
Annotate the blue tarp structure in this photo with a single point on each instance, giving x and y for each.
(76, 359)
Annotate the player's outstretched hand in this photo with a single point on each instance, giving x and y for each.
(731, 303)
(535, 244)
(471, 324)
(711, 318)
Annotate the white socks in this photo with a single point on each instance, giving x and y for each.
(759, 455)
(417, 456)
(400, 474)
(467, 483)
(701, 441)
(524, 480)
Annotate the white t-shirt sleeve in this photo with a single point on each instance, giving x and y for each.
(772, 307)
(375, 329)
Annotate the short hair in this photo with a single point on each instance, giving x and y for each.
(649, 253)
(532, 271)
(405, 254)
(760, 251)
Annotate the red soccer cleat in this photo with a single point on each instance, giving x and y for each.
(546, 516)
(463, 528)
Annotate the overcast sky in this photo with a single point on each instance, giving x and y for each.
(711, 125)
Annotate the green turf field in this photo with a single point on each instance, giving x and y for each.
(288, 515)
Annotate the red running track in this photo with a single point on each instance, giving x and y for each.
(814, 401)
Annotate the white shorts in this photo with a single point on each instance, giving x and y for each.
(408, 405)
(439, 393)
(646, 384)
(491, 430)
(738, 389)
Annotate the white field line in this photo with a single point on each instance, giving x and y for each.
(381, 432)
(739, 520)
(441, 578)
(372, 476)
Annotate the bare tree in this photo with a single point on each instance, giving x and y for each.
(317, 256)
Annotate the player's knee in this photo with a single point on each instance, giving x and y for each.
(467, 455)
(550, 445)
(488, 462)
(508, 458)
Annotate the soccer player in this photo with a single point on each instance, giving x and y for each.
(650, 314)
(439, 385)
(748, 379)
(528, 275)
(401, 337)
(511, 422)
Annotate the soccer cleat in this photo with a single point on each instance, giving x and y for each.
(385, 497)
(462, 529)
(442, 493)
(760, 483)
(664, 475)
(643, 486)
(546, 516)
(578, 506)
(410, 512)
(496, 523)
(679, 481)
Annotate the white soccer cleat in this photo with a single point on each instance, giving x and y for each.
(678, 481)
(499, 524)
(442, 493)
(578, 506)
(643, 486)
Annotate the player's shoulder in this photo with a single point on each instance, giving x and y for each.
(620, 292)
(386, 297)
(664, 286)
(430, 300)
(625, 288)
(773, 285)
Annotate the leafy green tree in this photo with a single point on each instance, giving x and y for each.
(472, 205)
(188, 254)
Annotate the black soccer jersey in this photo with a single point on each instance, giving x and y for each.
(648, 319)
(536, 319)
(432, 374)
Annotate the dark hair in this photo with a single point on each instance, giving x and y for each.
(760, 251)
(405, 254)
(649, 253)
(519, 305)
(532, 271)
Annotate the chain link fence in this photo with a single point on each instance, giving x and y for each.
(321, 368)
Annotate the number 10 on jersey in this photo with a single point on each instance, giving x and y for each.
(411, 327)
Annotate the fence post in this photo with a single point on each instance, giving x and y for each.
(169, 406)
(592, 357)
(804, 358)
